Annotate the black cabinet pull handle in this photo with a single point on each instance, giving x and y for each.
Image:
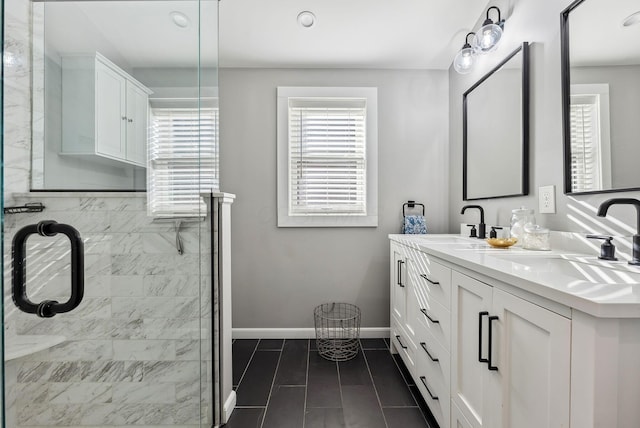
(424, 276)
(424, 311)
(46, 308)
(480, 315)
(400, 263)
(424, 382)
(424, 346)
(401, 345)
(491, 366)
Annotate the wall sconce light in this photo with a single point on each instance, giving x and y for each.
(464, 60)
(488, 36)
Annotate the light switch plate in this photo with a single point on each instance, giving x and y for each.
(547, 199)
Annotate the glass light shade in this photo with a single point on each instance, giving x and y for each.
(464, 60)
(487, 38)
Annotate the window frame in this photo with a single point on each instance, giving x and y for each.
(285, 218)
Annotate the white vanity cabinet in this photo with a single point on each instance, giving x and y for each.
(510, 359)
(104, 111)
(450, 325)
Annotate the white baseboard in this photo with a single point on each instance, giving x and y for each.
(228, 407)
(299, 333)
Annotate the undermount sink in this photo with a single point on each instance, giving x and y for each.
(585, 268)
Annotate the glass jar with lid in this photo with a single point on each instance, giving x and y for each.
(520, 217)
(536, 237)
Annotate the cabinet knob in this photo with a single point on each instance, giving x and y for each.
(130, 120)
(124, 117)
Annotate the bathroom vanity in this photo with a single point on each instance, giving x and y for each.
(504, 338)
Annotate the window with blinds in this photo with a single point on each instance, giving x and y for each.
(327, 155)
(584, 144)
(183, 161)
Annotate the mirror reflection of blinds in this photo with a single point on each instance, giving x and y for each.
(585, 157)
(183, 161)
(327, 156)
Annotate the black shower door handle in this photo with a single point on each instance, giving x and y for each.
(46, 308)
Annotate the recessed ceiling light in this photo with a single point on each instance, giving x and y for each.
(306, 19)
(632, 19)
(180, 19)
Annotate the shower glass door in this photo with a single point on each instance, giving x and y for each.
(109, 140)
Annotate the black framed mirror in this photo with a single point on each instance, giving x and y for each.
(601, 96)
(496, 131)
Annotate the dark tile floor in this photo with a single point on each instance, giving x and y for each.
(286, 384)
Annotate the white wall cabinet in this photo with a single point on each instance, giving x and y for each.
(104, 111)
(480, 356)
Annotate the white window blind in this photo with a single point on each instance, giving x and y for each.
(183, 161)
(327, 156)
(585, 156)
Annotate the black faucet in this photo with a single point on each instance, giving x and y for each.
(481, 227)
(602, 212)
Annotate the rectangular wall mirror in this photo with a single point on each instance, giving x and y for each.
(601, 95)
(496, 131)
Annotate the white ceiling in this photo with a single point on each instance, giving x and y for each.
(260, 33)
(354, 33)
(598, 36)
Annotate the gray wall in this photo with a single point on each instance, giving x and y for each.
(538, 22)
(280, 275)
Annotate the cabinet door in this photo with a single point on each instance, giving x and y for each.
(398, 286)
(110, 112)
(137, 111)
(532, 379)
(471, 302)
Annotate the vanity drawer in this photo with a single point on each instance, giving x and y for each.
(405, 346)
(430, 317)
(432, 379)
(433, 277)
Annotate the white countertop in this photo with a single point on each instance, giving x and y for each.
(580, 281)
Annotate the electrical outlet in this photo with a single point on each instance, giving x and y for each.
(547, 199)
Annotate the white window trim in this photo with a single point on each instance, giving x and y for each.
(601, 92)
(371, 217)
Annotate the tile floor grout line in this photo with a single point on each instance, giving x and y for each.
(275, 375)
(410, 391)
(366, 361)
(248, 363)
(306, 386)
(341, 395)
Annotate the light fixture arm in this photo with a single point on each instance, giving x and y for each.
(488, 20)
(466, 40)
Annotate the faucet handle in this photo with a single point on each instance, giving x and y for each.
(607, 249)
(473, 231)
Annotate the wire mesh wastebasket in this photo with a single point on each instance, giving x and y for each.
(337, 330)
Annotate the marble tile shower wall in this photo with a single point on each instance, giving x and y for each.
(138, 348)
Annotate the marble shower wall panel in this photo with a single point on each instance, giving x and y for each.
(138, 348)
(17, 82)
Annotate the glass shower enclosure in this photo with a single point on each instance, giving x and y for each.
(109, 142)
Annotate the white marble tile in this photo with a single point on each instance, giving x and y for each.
(144, 393)
(79, 393)
(171, 371)
(127, 243)
(111, 415)
(171, 285)
(189, 350)
(155, 307)
(77, 350)
(171, 328)
(127, 286)
(144, 350)
(154, 264)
